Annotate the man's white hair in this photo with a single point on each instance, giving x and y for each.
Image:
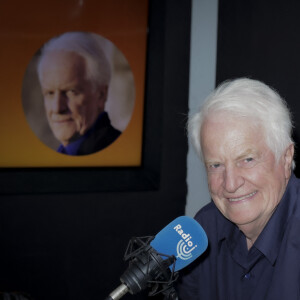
(253, 100)
(85, 44)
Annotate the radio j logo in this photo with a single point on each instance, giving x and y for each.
(185, 246)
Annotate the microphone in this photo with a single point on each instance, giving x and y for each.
(155, 261)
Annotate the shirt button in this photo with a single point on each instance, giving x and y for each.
(247, 276)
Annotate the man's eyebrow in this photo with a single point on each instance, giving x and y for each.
(211, 162)
(246, 153)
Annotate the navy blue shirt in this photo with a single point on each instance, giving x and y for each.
(270, 270)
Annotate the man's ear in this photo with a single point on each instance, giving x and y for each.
(102, 96)
(288, 160)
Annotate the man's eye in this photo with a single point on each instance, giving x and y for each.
(71, 93)
(48, 93)
(215, 166)
(248, 162)
(248, 159)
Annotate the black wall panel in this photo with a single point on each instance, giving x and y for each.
(70, 245)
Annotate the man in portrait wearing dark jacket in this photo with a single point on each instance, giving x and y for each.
(74, 75)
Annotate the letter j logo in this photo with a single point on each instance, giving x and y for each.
(183, 251)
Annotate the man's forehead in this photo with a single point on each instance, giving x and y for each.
(231, 137)
(62, 58)
(227, 119)
(61, 65)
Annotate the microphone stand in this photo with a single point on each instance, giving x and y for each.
(146, 267)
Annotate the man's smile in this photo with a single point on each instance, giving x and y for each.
(242, 197)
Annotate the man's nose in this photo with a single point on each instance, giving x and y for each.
(233, 179)
(60, 102)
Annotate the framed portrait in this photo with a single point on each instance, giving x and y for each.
(129, 32)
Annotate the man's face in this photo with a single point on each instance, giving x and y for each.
(245, 181)
(71, 101)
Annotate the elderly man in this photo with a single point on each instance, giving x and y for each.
(243, 135)
(74, 75)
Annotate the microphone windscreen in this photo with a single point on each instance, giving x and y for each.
(184, 238)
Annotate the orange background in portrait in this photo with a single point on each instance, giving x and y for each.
(25, 26)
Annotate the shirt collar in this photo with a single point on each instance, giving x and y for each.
(72, 148)
(269, 240)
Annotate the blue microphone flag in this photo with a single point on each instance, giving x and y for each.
(184, 238)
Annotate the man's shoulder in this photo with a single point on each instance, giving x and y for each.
(101, 136)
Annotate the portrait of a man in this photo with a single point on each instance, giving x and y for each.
(74, 76)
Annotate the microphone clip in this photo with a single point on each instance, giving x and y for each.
(149, 268)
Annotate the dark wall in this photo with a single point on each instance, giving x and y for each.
(261, 40)
(70, 245)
